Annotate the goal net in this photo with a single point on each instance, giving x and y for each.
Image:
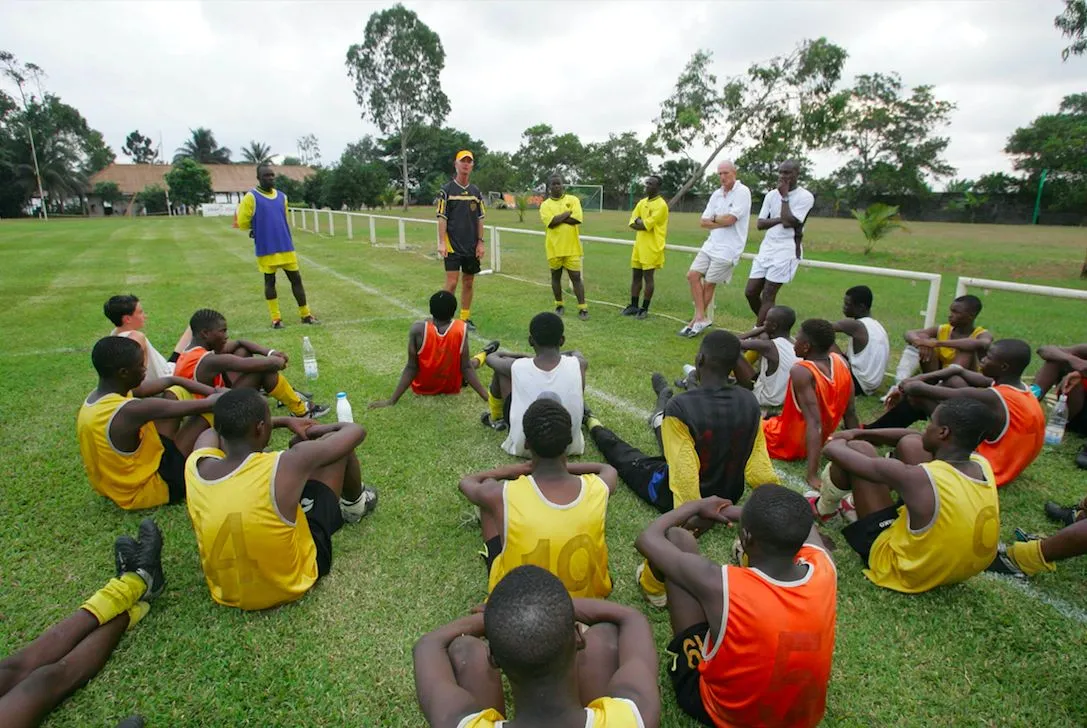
(591, 196)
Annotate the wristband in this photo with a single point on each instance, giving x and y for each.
(270, 352)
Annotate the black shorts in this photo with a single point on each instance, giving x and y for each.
(863, 533)
(466, 264)
(858, 390)
(494, 548)
(172, 469)
(685, 652)
(322, 509)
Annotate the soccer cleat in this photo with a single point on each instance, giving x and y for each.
(659, 383)
(657, 600)
(698, 327)
(277, 324)
(311, 320)
(125, 554)
(560, 310)
(468, 324)
(583, 314)
(629, 311)
(137, 612)
(354, 511)
(149, 559)
(685, 331)
(1065, 515)
(1004, 564)
(812, 497)
(491, 347)
(499, 424)
(1022, 536)
(847, 509)
(315, 411)
(642, 314)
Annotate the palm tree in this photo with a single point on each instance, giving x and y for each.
(202, 148)
(257, 153)
(877, 221)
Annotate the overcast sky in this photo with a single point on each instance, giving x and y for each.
(275, 71)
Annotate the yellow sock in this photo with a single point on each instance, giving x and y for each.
(480, 357)
(752, 356)
(495, 405)
(273, 308)
(116, 597)
(464, 314)
(1028, 557)
(137, 612)
(583, 307)
(285, 393)
(303, 311)
(650, 583)
(592, 423)
(558, 303)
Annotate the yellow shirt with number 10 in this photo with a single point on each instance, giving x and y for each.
(562, 240)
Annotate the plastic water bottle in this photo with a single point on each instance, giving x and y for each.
(309, 358)
(343, 408)
(1058, 419)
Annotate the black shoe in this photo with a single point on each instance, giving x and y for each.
(560, 310)
(316, 411)
(469, 325)
(629, 311)
(583, 314)
(277, 324)
(500, 425)
(311, 320)
(643, 313)
(491, 347)
(1004, 564)
(585, 415)
(659, 383)
(125, 554)
(149, 559)
(1081, 459)
(1065, 515)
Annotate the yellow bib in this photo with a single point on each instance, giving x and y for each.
(567, 540)
(252, 556)
(601, 713)
(947, 355)
(960, 542)
(131, 480)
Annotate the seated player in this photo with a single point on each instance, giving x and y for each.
(128, 317)
(546, 512)
(819, 397)
(1032, 554)
(868, 349)
(752, 645)
(264, 520)
(772, 347)
(930, 516)
(134, 444)
(69, 654)
(569, 663)
(216, 360)
(519, 380)
(960, 341)
(1067, 365)
(438, 361)
(1019, 430)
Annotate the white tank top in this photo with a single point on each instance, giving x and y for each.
(157, 366)
(770, 388)
(870, 365)
(528, 382)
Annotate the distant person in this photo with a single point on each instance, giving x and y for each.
(1031, 554)
(649, 221)
(546, 501)
(128, 317)
(868, 349)
(460, 232)
(774, 352)
(960, 341)
(570, 663)
(562, 216)
(263, 212)
(726, 218)
(438, 361)
(784, 211)
(1066, 366)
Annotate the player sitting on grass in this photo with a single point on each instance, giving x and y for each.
(438, 361)
(569, 663)
(1067, 365)
(264, 520)
(819, 397)
(520, 379)
(868, 349)
(649, 221)
(751, 645)
(216, 360)
(772, 347)
(134, 444)
(40, 676)
(128, 317)
(561, 215)
(945, 525)
(1019, 430)
(960, 341)
(546, 512)
(1032, 554)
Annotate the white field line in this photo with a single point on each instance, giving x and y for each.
(590, 300)
(1062, 607)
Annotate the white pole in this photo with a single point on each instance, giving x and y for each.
(403, 241)
(350, 232)
(933, 301)
(496, 250)
(331, 226)
(373, 230)
(303, 211)
(316, 222)
(965, 281)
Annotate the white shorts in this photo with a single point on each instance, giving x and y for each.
(776, 269)
(715, 270)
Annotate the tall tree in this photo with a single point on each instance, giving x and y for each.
(309, 150)
(257, 153)
(798, 86)
(430, 154)
(291, 187)
(495, 173)
(614, 163)
(1056, 142)
(673, 173)
(189, 183)
(290, 161)
(201, 147)
(354, 183)
(139, 148)
(396, 72)
(543, 153)
(97, 154)
(20, 73)
(1072, 23)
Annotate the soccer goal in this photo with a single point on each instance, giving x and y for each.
(591, 196)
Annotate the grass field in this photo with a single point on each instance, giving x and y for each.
(984, 653)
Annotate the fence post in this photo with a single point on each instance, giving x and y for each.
(496, 250)
(292, 218)
(933, 301)
(316, 222)
(400, 225)
(331, 225)
(304, 219)
(350, 232)
(373, 230)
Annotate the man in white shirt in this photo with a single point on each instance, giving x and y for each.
(726, 217)
(128, 318)
(868, 349)
(783, 213)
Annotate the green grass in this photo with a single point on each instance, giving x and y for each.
(979, 653)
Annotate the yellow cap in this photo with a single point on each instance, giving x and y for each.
(464, 153)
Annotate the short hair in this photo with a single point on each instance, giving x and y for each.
(529, 624)
(656, 177)
(820, 333)
(785, 315)
(117, 307)
(113, 353)
(968, 419)
(205, 319)
(555, 175)
(443, 305)
(1015, 352)
(720, 350)
(861, 295)
(971, 301)
(727, 163)
(778, 519)
(546, 329)
(238, 410)
(547, 428)
(262, 166)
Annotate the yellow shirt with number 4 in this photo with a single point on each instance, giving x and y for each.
(562, 241)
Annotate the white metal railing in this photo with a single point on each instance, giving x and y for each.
(965, 281)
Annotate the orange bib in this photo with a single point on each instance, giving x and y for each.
(785, 433)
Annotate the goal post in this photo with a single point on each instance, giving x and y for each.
(591, 196)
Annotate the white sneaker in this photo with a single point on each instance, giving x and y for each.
(699, 326)
(685, 331)
(657, 600)
(353, 511)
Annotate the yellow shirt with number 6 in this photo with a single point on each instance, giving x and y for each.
(562, 241)
(253, 557)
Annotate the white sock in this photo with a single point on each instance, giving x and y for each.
(830, 497)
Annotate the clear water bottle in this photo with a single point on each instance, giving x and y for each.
(309, 358)
(343, 408)
(1058, 419)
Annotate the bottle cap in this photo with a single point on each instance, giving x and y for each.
(341, 395)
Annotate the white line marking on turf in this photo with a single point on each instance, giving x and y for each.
(1062, 607)
(591, 300)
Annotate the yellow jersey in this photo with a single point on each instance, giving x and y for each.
(960, 542)
(253, 556)
(129, 479)
(601, 713)
(945, 354)
(654, 214)
(562, 240)
(567, 540)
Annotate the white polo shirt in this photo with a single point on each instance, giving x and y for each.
(779, 239)
(728, 243)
